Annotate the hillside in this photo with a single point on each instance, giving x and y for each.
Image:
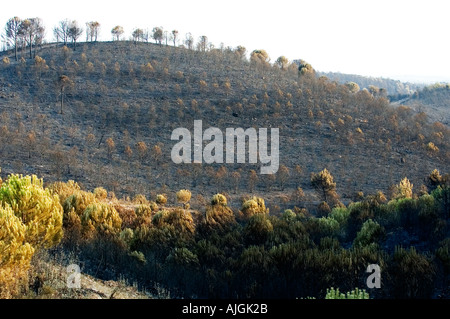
(120, 94)
(434, 100)
(392, 87)
(358, 181)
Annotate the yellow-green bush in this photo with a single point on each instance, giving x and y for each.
(161, 199)
(15, 253)
(184, 196)
(140, 199)
(180, 219)
(38, 209)
(127, 236)
(30, 218)
(153, 206)
(254, 206)
(78, 202)
(100, 193)
(219, 199)
(64, 190)
(403, 189)
(160, 217)
(75, 202)
(6, 60)
(101, 218)
(143, 211)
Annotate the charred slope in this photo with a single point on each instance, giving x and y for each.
(109, 123)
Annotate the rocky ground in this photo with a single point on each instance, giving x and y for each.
(49, 278)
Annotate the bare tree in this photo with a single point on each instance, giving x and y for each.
(189, 41)
(117, 31)
(138, 35)
(202, 43)
(40, 34)
(92, 30)
(158, 34)
(75, 32)
(13, 34)
(63, 83)
(32, 31)
(166, 36)
(146, 36)
(61, 31)
(174, 37)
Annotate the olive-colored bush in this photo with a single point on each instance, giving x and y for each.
(218, 215)
(254, 206)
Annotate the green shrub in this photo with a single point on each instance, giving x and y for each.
(127, 236)
(288, 215)
(139, 256)
(183, 257)
(411, 274)
(328, 226)
(354, 294)
(371, 232)
(258, 229)
(340, 214)
(442, 197)
(443, 255)
(407, 211)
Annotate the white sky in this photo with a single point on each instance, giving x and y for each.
(401, 39)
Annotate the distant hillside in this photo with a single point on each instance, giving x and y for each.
(434, 100)
(103, 113)
(392, 87)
